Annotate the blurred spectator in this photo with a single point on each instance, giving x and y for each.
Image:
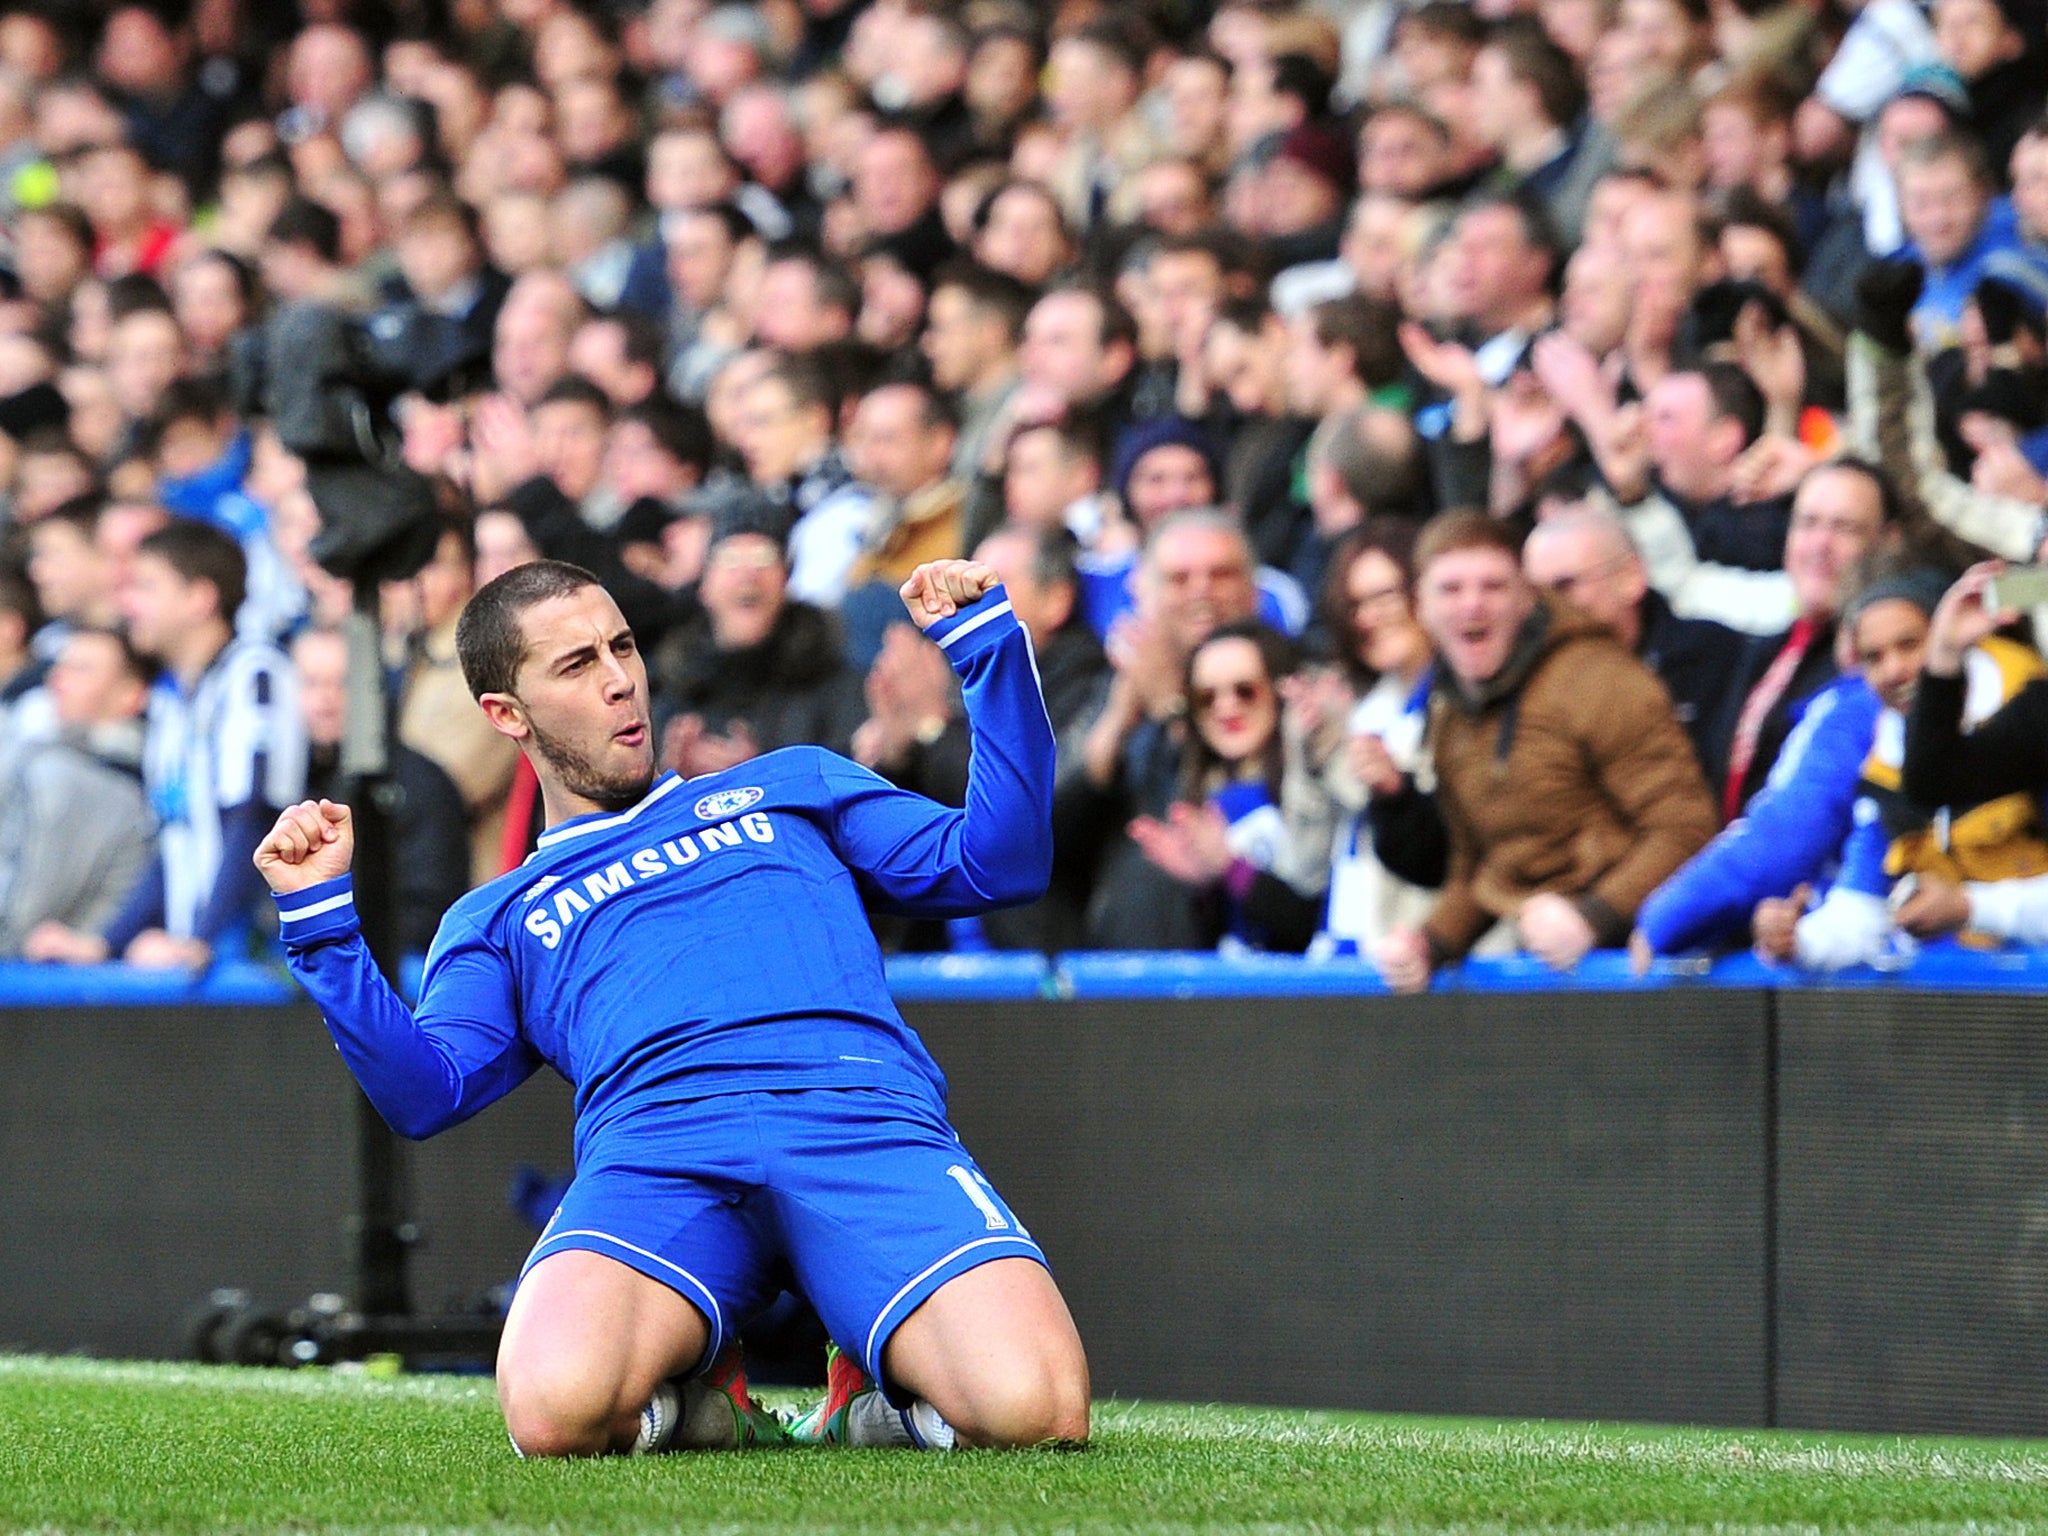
(1842, 511)
(757, 668)
(1608, 798)
(794, 460)
(901, 445)
(437, 717)
(1586, 558)
(201, 457)
(423, 811)
(73, 584)
(1365, 773)
(76, 833)
(226, 750)
(20, 668)
(1226, 827)
(1946, 763)
(973, 327)
(1196, 575)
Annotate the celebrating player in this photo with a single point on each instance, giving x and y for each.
(751, 1110)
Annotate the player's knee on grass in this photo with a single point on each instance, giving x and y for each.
(1033, 1403)
(559, 1413)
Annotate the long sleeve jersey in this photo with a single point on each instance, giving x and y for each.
(709, 939)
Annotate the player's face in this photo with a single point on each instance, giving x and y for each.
(583, 690)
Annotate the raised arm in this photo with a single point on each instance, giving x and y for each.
(923, 858)
(424, 1071)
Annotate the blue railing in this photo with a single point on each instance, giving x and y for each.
(1943, 967)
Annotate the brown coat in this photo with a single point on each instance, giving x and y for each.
(926, 528)
(1569, 774)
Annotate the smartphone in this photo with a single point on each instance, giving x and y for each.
(2017, 586)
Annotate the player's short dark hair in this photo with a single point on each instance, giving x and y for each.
(489, 639)
(201, 552)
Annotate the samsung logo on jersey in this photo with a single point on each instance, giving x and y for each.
(572, 898)
(727, 802)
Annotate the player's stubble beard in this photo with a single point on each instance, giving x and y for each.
(583, 778)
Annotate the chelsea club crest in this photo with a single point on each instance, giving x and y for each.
(726, 802)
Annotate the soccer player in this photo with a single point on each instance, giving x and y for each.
(752, 1112)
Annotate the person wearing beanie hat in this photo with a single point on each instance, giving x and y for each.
(1178, 463)
(1159, 468)
(1303, 191)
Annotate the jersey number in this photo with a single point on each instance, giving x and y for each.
(975, 1188)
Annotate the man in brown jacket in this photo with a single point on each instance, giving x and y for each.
(1566, 783)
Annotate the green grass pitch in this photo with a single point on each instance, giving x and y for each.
(87, 1446)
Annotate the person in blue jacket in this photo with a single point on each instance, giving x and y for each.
(752, 1113)
(1827, 819)
(1794, 829)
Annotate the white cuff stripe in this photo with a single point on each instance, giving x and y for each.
(330, 904)
(975, 623)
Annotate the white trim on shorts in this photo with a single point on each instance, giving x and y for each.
(713, 1313)
(1028, 1247)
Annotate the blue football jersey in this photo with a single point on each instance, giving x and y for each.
(709, 939)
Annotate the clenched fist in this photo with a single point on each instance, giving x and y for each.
(940, 588)
(312, 841)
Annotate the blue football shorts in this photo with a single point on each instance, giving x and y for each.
(862, 1199)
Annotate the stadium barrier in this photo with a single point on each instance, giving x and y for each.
(1717, 1195)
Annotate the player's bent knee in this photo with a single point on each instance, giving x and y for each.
(1026, 1408)
(560, 1417)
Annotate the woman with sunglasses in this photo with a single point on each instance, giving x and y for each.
(1226, 834)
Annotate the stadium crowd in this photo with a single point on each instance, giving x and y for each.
(1477, 476)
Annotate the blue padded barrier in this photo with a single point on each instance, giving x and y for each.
(243, 982)
(977, 978)
(1015, 977)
